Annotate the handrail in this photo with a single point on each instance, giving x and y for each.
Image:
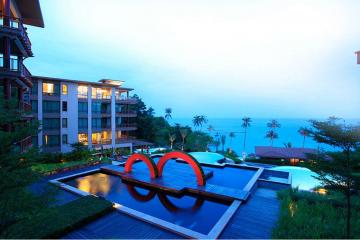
(15, 23)
(127, 112)
(123, 125)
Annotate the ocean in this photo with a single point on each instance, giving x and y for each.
(288, 132)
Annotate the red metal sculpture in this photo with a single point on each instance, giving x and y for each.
(187, 158)
(149, 162)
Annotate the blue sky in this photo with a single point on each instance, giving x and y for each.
(264, 59)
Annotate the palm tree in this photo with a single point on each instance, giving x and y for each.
(288, 145)
(305, 133)
(183, 132)
(168, 112)
(217, 144)
(273, 124)
(231, 136)
(271, 135)
(245, 125)
(172, 138)
(223, 140)
(199, 120)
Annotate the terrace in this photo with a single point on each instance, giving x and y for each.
(164, 198)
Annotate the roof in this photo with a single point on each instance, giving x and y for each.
(100, 83)
(31, 12)
(281, 152)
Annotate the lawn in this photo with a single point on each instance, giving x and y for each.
(57, 221)
(310, 215)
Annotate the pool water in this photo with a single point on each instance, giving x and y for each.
(303, 178)
(191, 212)
(207, 157)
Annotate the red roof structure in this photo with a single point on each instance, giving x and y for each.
(284, 153)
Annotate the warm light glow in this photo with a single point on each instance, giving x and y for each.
(48, 88)
(83, 138)
(101, 93)
(46, 139)
(292, 208)
(321, 191)
(94, 184)
(82, 91)
(64, 89)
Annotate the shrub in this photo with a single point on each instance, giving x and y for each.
(56, 221)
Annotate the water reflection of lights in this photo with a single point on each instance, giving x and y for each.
(94, 184)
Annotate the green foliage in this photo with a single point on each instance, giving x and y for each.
(313, 217)
(56, 221)
(197, 142)
(16, 201)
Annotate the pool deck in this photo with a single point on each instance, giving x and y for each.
(255, 218)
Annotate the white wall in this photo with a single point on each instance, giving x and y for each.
(71, 115)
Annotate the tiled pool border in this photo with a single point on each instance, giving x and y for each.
(185, 232)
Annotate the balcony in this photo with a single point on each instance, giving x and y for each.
(101, 142)
(126, 126)
(126, 100)
(14, 26)
(17, 70)
(124, 139)
(126, 113)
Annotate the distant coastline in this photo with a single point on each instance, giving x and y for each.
(288, 132)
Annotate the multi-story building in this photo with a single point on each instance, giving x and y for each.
(15, 47)
(358, 57)
(98, 114)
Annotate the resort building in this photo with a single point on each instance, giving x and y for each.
(15, 47)
(293, 155)
(98, 114)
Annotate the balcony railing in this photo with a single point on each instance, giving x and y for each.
(125, 139)
(16, 68)
(132, 112)
(102, 141)
(126, 125)
(101, 96)
(126, 100)
(14, 23)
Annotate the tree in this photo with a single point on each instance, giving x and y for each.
(223, 140)
(288, 145)
(183, 132)
(168, 112)
(339, 172)
(273, 124)
(231, 136)
(17, 202)
(245, 124)
(172, 138)
(217, 144)
(305, 133)
(210, 129)
(199, 120)
(271, 135)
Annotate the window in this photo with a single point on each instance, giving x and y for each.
(83, 107)
(64, 123)
(14, 63)
(64, 89)
(51, 140)
(1, 60)
(83, 123)
(96, 123)
(34, 106)
(48, 88)
(101, 93)
(65, 139)
(51, 123)
(51, 106)
(64, 106)
(96, 107)
(82, 91)
(83, 138)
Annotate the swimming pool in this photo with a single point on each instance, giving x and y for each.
(192, 212)
(303, 178)
(207, 157)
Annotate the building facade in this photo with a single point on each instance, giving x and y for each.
(98, 114)
(358, 56)
(15, 47)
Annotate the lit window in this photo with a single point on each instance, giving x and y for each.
(48, 88)
(46, 138)
(82, 91)
(83, 138)
(64, 89)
